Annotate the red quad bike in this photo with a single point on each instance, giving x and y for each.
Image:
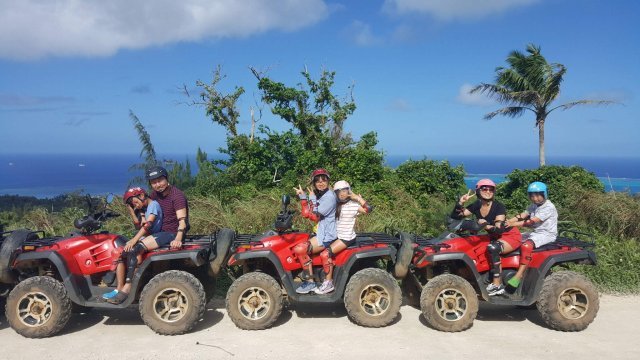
(266, 271)
(452, 272)
(45, 279)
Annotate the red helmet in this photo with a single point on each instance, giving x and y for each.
(133, 192)
(485, 182)
(319, 172)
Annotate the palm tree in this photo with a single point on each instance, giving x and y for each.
(529, 83)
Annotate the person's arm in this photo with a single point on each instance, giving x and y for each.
(459, 211)
(364, 208)
(520, 220)
(137, 221)
(181, 214)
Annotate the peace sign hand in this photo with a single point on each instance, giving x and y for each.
(464, 198)
(298, 190)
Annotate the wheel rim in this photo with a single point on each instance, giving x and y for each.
(375, 300)
(171, 305)
(573, 303)
(254, 303)
(451, 304)
(34, 309)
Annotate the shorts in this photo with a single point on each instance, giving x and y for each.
(538, 239)
(164, 238)
(348, 243)
(512, 237)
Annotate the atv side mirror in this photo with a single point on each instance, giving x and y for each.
(109, 198)
(89, 203)
(285, 201)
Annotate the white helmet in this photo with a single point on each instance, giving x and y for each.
(341, 185)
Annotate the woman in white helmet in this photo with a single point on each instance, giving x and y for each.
(349, 206)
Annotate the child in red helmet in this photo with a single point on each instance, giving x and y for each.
(349, 206)
(147, 217)
(491, 215)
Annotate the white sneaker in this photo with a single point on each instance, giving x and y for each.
(326, 287)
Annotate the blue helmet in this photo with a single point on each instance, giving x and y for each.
(538, 187)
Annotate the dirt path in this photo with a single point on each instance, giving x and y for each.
(329, 334)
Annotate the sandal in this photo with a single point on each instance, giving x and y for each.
(119, 298)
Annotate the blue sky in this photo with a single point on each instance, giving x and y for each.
(71, 70)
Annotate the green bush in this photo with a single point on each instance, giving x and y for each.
(560, 180)
(420, 177)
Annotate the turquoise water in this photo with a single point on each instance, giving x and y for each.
(610, 184)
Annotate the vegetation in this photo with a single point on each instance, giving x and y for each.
(529, 83)
(243, 191)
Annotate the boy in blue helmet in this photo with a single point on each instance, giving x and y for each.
(542, 217)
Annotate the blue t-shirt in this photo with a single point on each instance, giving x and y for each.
(326, 206)
(154, 208)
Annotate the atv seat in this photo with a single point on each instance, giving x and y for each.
(561, 241)
(364, 239)
(191, 240)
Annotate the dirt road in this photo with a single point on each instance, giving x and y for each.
(323, 332)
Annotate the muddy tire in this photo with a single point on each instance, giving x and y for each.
(38, 307)
(372, 298)
(449, 303)
(254, 301)
(172, 302)
(404, 256)
(568, 301)
(8, 246)
(224, 240)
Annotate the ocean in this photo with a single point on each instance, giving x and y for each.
(49, 175)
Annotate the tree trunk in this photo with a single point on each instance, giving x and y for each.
(541, 141)
(253, 125)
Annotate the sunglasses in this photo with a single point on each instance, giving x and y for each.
(320, 179)
(487, 188)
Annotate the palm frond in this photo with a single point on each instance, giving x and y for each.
(582, 102)
(510, 111)
(148, 152)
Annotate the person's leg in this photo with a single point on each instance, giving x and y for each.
(327, 256)
(526, 249)
(120, 273)
(336, 247)
(302, 251)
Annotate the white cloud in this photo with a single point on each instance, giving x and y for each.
(31, 29)
(448, 10)
(476, 99)
(360, 33)
(399, 105)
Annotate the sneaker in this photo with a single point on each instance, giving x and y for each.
(306, 287)
(326, 287)
(494, 290)
(110, 295)
(513, 282)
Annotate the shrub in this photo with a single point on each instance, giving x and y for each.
(560, 180)
(421, 177)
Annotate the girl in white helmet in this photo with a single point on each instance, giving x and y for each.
(349, 206)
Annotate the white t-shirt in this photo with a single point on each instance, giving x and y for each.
(347, 221)
(546, 231)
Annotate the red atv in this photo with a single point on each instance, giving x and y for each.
(266, 272)
(47, 277)
(452, 272)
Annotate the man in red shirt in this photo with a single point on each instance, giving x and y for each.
(175, 208)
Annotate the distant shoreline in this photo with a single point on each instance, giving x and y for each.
(46, 176)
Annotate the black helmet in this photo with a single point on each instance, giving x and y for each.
(155, 172)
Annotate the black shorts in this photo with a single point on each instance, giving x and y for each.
(349, 242)
(164, 238)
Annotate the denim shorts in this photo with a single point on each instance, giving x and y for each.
(164, 238)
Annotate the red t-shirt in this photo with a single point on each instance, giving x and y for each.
(170, 203)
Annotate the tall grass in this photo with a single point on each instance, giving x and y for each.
(613, 219)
